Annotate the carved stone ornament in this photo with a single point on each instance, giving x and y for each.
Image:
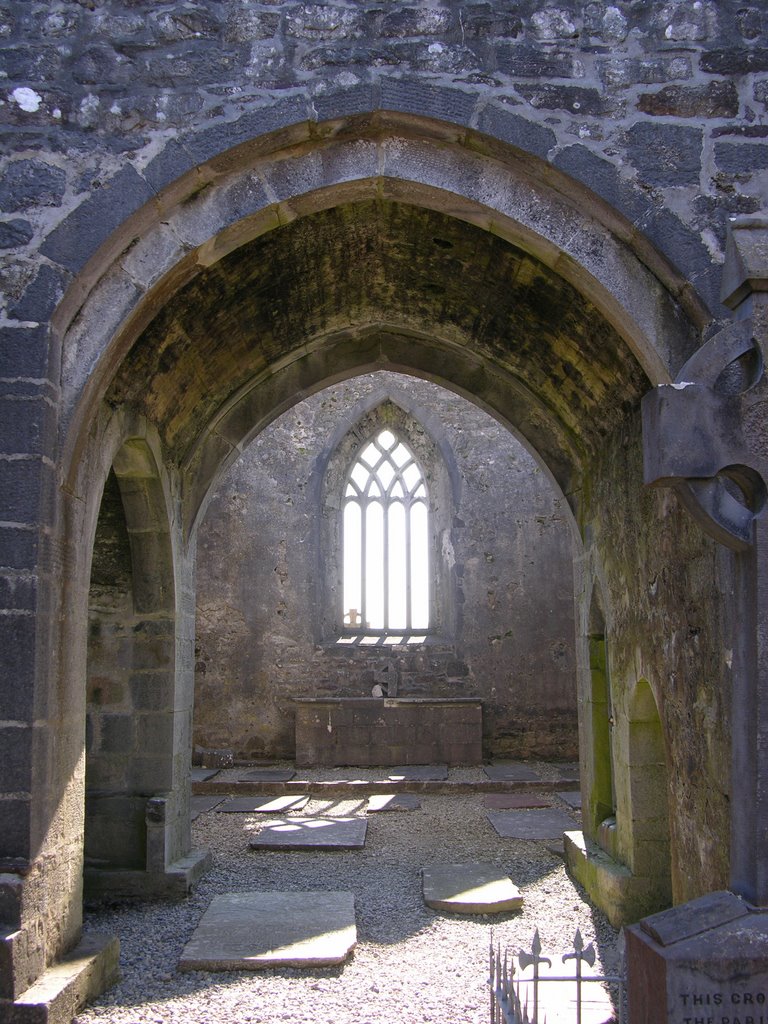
(702, 436)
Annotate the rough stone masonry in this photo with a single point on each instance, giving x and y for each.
(210, 211)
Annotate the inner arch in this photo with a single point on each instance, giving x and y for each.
(368, 284)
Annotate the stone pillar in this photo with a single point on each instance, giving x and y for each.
(137, 782)
(46, 970)
(707, 436)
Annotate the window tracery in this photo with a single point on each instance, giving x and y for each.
(386, 540)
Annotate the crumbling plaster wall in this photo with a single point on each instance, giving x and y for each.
(509, 552)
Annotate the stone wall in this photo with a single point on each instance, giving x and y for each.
(509, 549)
(659, 108)
(582, 158)
(658, 586)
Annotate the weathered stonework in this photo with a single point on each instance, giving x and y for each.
(216, 210)
(397, 731)
(266, 622)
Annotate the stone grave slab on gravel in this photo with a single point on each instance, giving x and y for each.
(534, 824)
(258, 930)
(470, 889)
(267, 775)
(393, 802)
(264, 804)
(200, 804)
(312, 834)
(511, 772)
(419, 773)
(202, 774)
(573, 799)
(515, 801)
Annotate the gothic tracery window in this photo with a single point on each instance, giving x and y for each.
(385, 540)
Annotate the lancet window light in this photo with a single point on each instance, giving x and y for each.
(385, 541)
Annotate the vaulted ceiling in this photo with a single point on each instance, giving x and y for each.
(469, 297)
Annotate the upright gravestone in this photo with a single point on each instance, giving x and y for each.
(706, 962)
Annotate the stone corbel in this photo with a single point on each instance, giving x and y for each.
(705, 435)
(694, 436)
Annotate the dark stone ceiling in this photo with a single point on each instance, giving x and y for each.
(379, 262)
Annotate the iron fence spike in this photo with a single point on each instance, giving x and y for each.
(509, 1005)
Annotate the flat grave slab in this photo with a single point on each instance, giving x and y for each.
(512, 801)
(202, 774)
(256, 930)
(572, 799)
(511, 771)
(267, 775)
(200, 804)
(393, 802)
(541, 824)
(312, 834)
(477, 888)
(419, 773)
(264, 804)
(568, 771)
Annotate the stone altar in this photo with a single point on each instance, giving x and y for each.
(366, 731)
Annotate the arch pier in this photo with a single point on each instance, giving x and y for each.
(299, 258)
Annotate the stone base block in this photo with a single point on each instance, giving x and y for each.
(66, 986)
(623, 897)
(173, 883)
(704, 961)
(22, 959)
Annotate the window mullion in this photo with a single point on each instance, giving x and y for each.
(391, 534)
(363, 568)
(385, 573)
(407, 505)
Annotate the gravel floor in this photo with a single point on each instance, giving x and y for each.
(411, 965)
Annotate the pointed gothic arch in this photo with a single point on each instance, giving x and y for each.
(385, 541)
(121, 347)
(429, 488)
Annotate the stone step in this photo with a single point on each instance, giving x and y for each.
(364, 787)
(67, 985)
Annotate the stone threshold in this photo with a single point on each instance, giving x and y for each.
(67, 985)
(363, 787)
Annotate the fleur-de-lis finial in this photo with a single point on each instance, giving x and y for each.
(580, 952)
(533, 959)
